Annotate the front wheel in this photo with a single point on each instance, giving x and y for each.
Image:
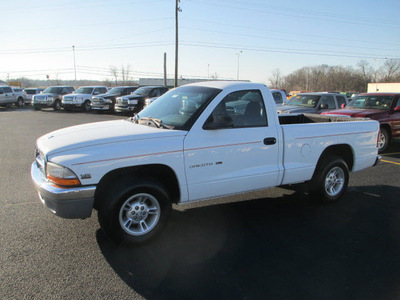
(330, 180)
(86, 106)
(57, 105)
(133, 211)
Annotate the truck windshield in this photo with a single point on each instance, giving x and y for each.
(116, 90)
(179, 107)
(304, 100)
(84, 90)
(371, 102)
(142, 91)
(52, 90)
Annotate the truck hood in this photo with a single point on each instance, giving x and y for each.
(107, 96)
(357, 113)
(99, 133)
(78, 95)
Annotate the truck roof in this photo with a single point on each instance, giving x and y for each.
(225, 84)
(379, 94)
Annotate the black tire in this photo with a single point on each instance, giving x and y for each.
(20, 102)
(384, 140)
(330, 180)
(57, 105)
(133, 211)
(86, 106)
(36, 108)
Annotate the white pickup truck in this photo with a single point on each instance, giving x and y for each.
(196, 142)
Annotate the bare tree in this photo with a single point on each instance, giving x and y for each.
(126, 75)
(114, 73)
(276, 79)
(390, 70)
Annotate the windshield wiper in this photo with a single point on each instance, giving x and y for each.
(157, 122)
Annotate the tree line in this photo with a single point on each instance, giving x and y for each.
(336, 78)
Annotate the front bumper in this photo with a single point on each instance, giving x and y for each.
(121, 108)
(71, 104)
(102, 107)
(69, 203)
(43, 104)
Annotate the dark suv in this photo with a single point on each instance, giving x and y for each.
(106, 102)
(51, 97)
(135, 102)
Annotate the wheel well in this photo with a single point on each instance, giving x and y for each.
(162, 173)
(344, 151)
(388, 128)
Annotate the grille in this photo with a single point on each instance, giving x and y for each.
(40, 98)
(40, 161)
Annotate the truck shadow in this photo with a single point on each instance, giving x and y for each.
(275, 248)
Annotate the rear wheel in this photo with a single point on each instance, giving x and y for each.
(20, 102)
(133, 211)
(330, 180)
(384, 140)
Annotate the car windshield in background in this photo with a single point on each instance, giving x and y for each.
(178, 107)
(304, 100)
(84, 91)
(30, 92)
(53, 90)
(142, 91)
(371, 102)
(115, 90)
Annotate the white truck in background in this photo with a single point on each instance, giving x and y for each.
(196, 142)
(8, 97)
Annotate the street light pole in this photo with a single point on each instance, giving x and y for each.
(238, 54)
(73, 51)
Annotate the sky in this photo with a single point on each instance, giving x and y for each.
(227, 39)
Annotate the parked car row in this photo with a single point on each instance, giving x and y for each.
(130, 99)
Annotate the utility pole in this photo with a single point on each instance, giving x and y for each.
(73, 51)
(238, 54)
(177, 10)
(165, 69)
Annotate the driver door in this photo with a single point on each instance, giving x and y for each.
(240, 158)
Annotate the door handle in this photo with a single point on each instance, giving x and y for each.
(269, 141)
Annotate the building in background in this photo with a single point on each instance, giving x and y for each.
(393, 87)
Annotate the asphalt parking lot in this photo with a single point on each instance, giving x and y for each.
(279, 245)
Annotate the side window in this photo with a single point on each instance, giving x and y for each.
(328, 100)
(96, 91)
(277, 97)
(153, 93)
(1, 91)
(398, 103)
(103, 90)
(340, 101)
(246, 108)
(64, 91)
(7, 90)
(163, 91)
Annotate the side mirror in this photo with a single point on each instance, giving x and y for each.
(1, 92)
(218, 122)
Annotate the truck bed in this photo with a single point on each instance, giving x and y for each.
(313, 118)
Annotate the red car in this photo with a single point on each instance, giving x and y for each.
(383, 107)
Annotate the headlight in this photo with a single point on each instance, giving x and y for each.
(133, 101)
(60, 175)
